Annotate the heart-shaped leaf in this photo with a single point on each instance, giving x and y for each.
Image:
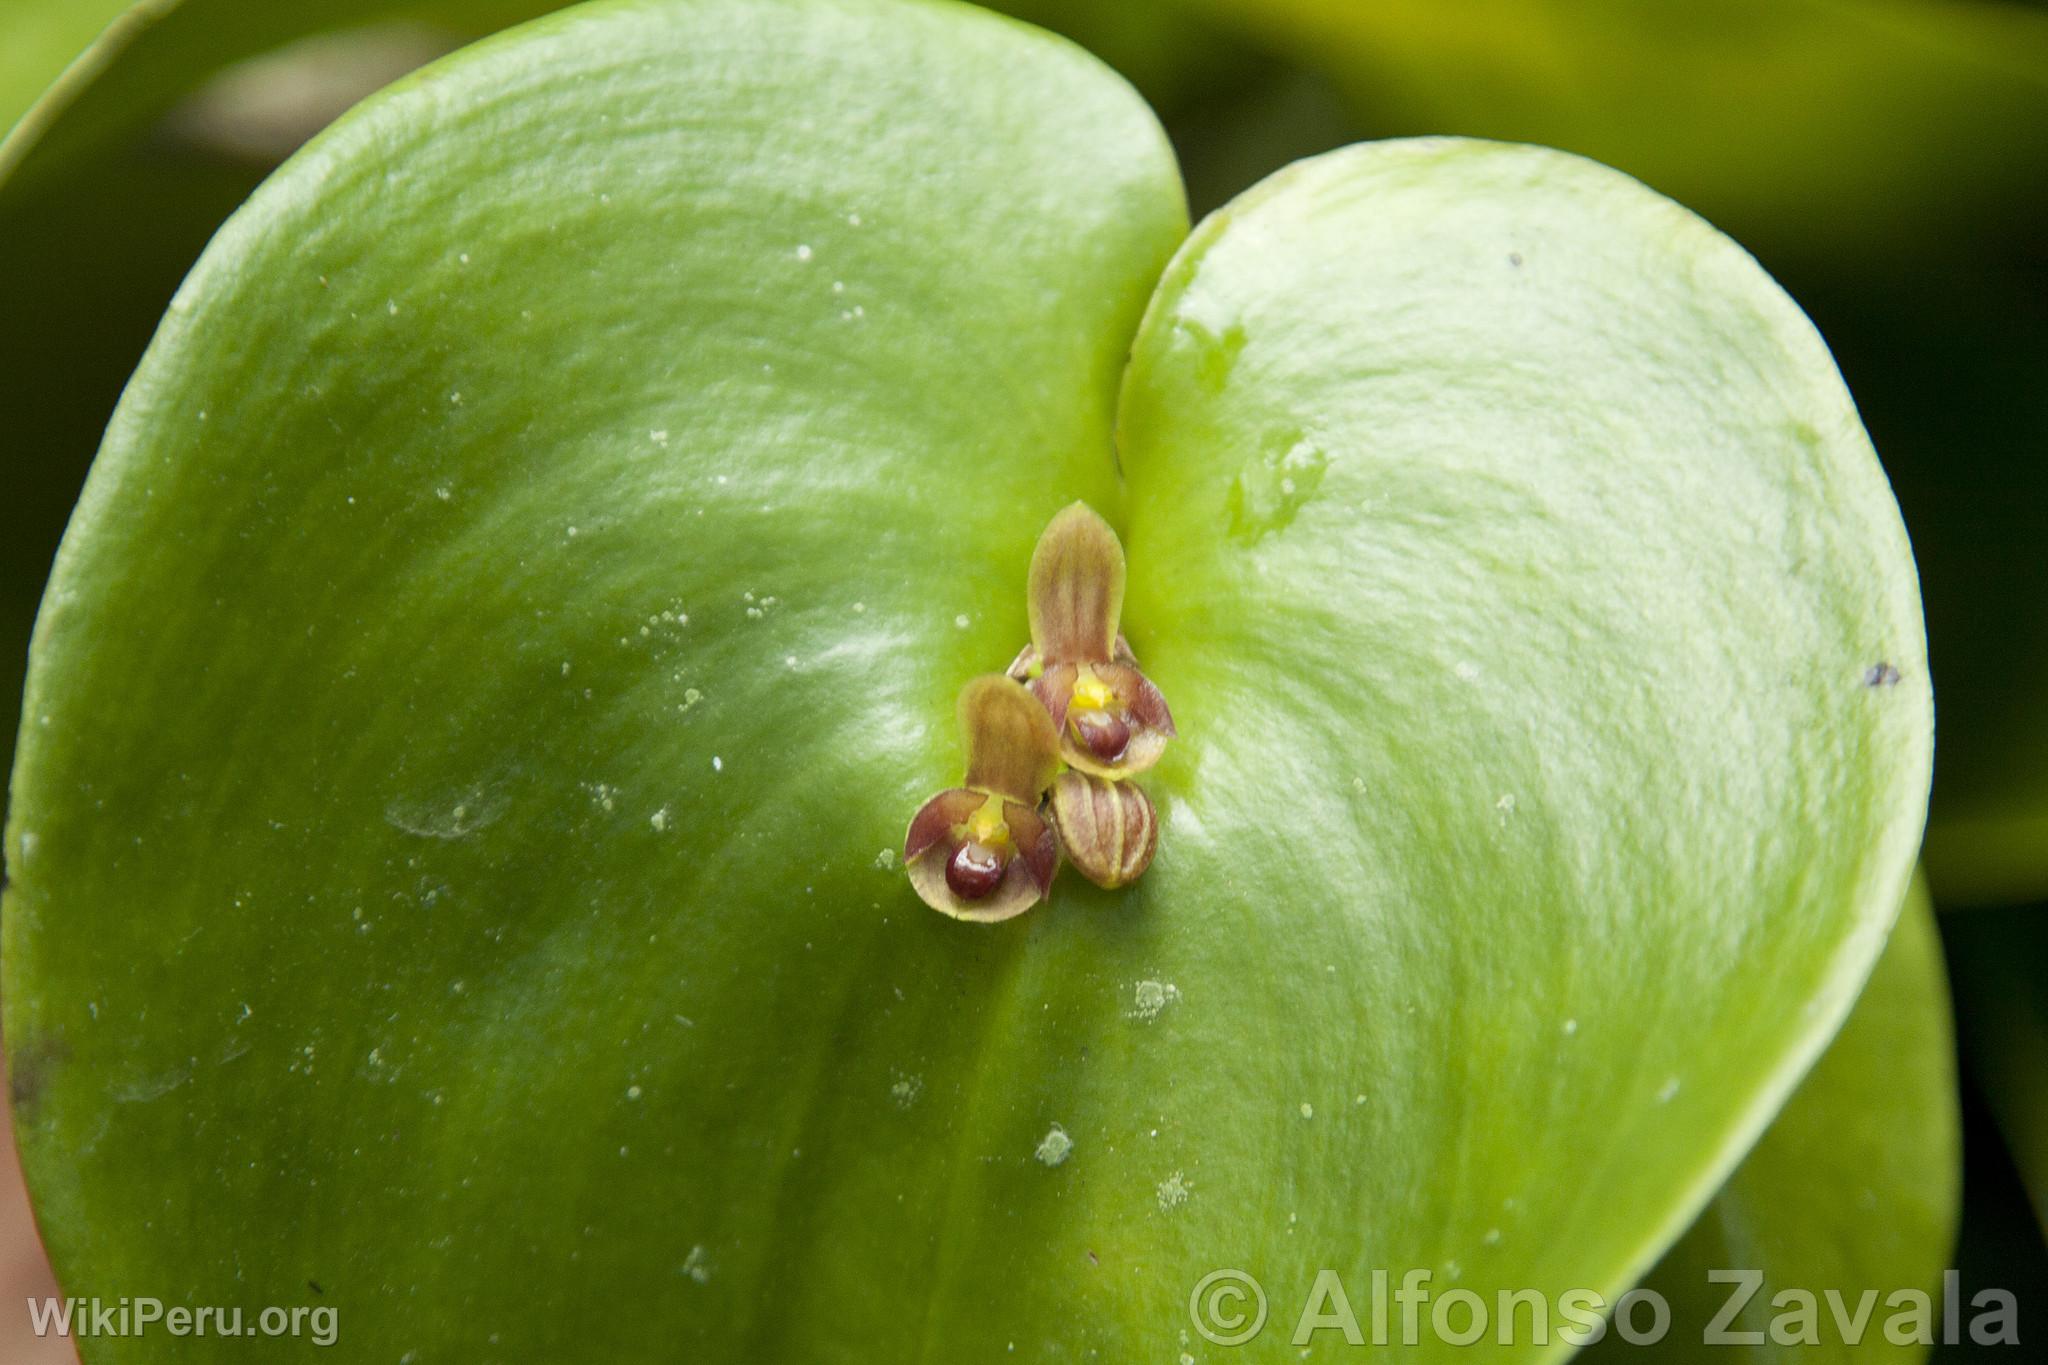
(521, 599)
(1853, 1190)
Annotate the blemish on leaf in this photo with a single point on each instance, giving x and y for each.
(1880, 674)
(33, 1062)
(697, 1265)
(1148, 998)
(1215, 353)
(1174, 1191)
(1055, 1146)
(447, 815)
(905, 1090)
(1270, 490)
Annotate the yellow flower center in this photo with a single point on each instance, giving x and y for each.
(1092, 693)
(987, 826)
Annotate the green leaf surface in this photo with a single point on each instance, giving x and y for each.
(521, 598)
(113, 182)
(1854, 1189)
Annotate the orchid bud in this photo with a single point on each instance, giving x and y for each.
(1108, 830)
(1111, 720)
(981, 851)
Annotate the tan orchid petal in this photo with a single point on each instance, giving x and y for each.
(1076, 588)
(1108, 830)
(1012, 747)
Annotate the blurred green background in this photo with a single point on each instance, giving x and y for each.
(1887, 160)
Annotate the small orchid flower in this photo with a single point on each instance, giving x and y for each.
(1108, 830)
(981, 851)
(1112, 721)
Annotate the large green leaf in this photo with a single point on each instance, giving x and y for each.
(520, 600)
(1854, 1188)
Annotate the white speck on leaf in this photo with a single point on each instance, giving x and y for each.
(1667, 1090)
(1055, 1146)
(905, 1090)
(1148, 998)
(659, 820)
(1174, 1191)
(803, 252)
(697, 1265)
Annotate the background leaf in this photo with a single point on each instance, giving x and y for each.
(1854, 1186)
(1820, 126)
(2001, 960)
